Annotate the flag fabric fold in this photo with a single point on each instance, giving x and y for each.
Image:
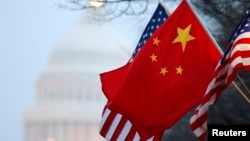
(162, 82)
(237, 56)
(111, 80)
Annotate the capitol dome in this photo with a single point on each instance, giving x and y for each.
(90, 46)
(69, 100)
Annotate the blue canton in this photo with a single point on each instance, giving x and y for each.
(156, 20)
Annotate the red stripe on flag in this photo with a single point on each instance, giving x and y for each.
(119, 129)
(131, 134)
(106, 126)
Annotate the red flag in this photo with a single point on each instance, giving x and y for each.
(115, 126)
(111, 79)
(167, 77)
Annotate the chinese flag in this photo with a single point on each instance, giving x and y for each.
(167, 77)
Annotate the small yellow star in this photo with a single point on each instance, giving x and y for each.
(153, 58)
(179, 70)
(156, 41)
(163, 71)
(183, 36)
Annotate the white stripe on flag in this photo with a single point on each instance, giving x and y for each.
(246, 61)
(235, 62)
(242, 36)
(201, 129)
(203, 109)
(136, 137)
(151, 139)
(113, 126)
(104, 117)
(240, 47)
(210, 86)
(125, 131)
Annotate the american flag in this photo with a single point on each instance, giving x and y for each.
(159, 16)
(114, 126)
(237, 56)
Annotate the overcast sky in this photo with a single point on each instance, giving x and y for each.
(28, 32)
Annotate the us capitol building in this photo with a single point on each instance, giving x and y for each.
(69, 100)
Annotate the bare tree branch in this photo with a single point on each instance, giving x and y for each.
(115, 8)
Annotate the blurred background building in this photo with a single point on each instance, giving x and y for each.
(69, 100)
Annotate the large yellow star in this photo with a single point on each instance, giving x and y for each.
(153, 58)
(156, 41)
(163, 71)
(179, 70)
(183, 36)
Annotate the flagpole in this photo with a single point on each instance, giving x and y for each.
(218, 47)
(243, 84)
(204, 27)
(164, 6)
(240, 91)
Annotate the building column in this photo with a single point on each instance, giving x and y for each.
(71, 131)
(59, 128)
(65, 131)
(81, 132)
(28, 132)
